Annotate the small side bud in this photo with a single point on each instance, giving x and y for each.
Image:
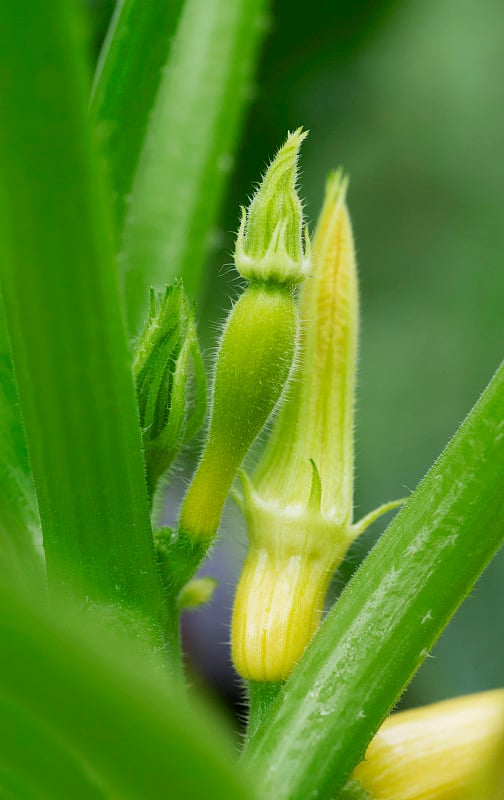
(439, 751)
(270, 246)
(167, 363)
(197, 592)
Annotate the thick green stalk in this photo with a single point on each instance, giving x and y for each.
(188, 149)
(61, 292)
(128, 75)
(388, 617)
(261, 695)
(102, 711)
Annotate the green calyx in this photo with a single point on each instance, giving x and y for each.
(170, 380)
(270, 246)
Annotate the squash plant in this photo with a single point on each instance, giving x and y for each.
(101, 201)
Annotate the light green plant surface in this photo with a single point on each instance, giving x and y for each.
(19, 525)
(101, 717)
(188, 147)
(127, 79)
(82, 698)
(61, 293)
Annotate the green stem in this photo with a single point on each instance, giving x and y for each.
(174, 642)
(260, 697)
(69, 344)
(388, 617)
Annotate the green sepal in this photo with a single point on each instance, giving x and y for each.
(170, 380)
(270, 246)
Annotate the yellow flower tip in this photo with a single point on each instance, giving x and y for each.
(437, 752)
(336, 187)
(269, 246)
(334, 200)
(337, 184)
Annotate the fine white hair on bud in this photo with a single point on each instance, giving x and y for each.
(253, 364)
(299, 505)
(271, 244)
(258, 344)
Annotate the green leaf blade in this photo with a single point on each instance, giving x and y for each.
(19, 522)
(389, 616)
(189, 146)
(61, 291)
(127, 78)
(117, 727)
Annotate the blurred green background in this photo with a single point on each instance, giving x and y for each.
(407, 96)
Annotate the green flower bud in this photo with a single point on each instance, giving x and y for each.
(299, 506)
(318, 423)
(257, 348)
(269, 246)
(253, 365)
(167, 355)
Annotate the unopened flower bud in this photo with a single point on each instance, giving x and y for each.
(171, 409)
(299, 505)
(258, 344)
(253, 365)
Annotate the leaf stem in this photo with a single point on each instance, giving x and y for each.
(261, 694)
